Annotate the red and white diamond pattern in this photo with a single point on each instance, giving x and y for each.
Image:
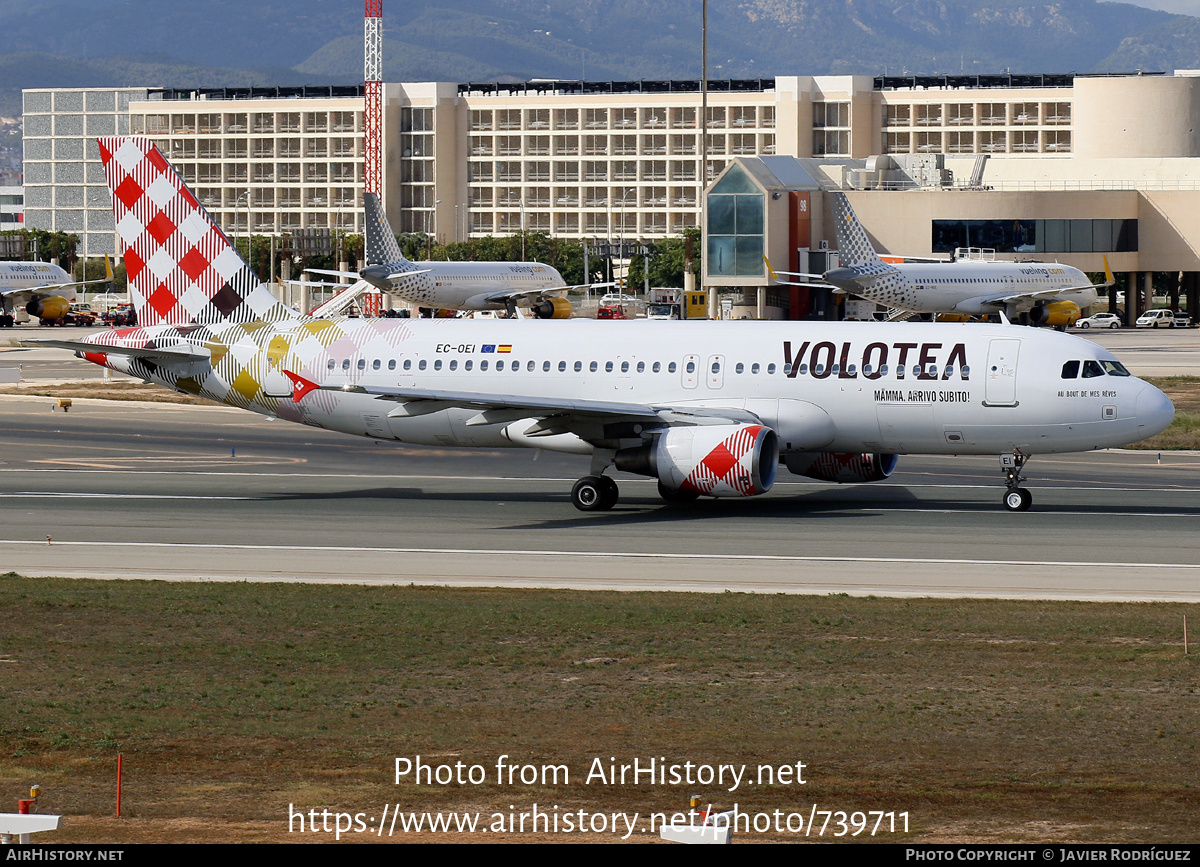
(181, 267)
(729, 465)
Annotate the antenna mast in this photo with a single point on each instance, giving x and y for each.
(373, 96)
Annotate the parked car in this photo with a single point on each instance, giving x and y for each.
(1182, 320)
(1100, 320)
(1161, 318)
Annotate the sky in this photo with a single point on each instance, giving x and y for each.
(1180, 7)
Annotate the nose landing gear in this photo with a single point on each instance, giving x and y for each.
(1016, 498)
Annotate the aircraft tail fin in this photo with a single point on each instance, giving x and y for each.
(854, 247)
(382, 248)
(182, 268)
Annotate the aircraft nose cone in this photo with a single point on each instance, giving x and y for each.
(1155, 412)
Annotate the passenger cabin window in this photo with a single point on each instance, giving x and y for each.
(1070, 370)
(375, 365)
(391, 364)
(408, 364)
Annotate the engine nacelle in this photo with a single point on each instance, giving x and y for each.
(835, 467)
(48, 307)
(727, 460)
(552, 308)
(1055, 314)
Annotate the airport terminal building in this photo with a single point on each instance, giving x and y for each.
(1077, 167)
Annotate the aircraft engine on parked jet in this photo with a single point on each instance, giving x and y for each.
(728, 460)
(48, 307)
(552, 308)
(1055, 314)
(834, 467)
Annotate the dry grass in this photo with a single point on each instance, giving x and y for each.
(983, 720)
(101, 390)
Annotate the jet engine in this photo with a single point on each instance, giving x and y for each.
(48, 307)
(835, 467)
(729, 460)
(1055, 314)
(552, 308)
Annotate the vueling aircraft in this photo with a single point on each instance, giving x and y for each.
(43, 289)
(1047, 293)
(456, 285)
(707, 408)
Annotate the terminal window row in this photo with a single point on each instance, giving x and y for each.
(978, 114)
(573, 171)
(1016, 141)
(258, 123)
(259, 148)
(617, 145)
(1037, 236)
(651, 117)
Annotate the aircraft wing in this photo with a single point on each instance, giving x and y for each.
(175, 354)
(1047, 294)
(507, 294)
(556, 415)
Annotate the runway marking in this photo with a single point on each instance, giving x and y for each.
(619, 555)
(846, 509)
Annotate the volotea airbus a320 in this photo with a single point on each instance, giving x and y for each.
(709, 408)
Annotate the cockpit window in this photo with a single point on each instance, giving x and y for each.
(1070, 370)
(1092, 368)
(1115, 368)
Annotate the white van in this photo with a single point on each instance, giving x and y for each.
(1161, 318)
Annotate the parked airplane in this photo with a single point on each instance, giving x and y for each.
(1051, 294)
(456, 285)
(704, 408)
(45, 290)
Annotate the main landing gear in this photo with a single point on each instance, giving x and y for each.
(594, 494)
(1016, 498)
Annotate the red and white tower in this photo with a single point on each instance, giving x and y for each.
(373, 95)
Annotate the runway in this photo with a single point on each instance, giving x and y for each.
(129, 490)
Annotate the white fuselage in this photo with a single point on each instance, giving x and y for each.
(967, 286)
(31, 275)
(837, 387)
(472, 285)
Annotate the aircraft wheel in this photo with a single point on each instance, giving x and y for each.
(590, 494)
(610, 492)
(1018, 500)
(673, 496)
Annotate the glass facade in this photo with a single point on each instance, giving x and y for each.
(735, 227)
(1037, 236)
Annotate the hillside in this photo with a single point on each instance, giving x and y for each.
(113, 42)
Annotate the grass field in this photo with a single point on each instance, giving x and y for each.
(991, 721)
